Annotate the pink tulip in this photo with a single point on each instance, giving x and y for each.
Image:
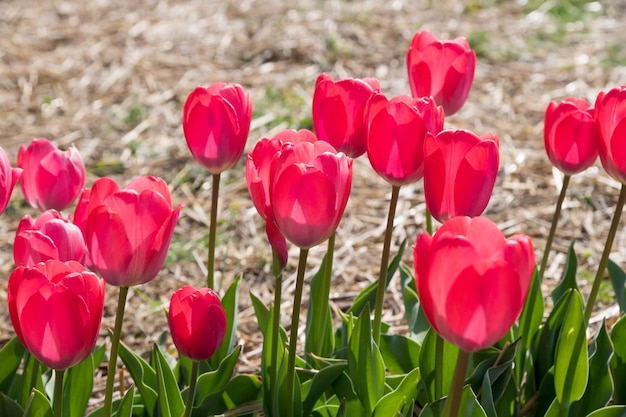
(472, 282)
(441, 69)
(56, 309)
(396, 131)
(8, 179)
(216, 123)
(339, 112)
(460, 171)
(309, 189)
(610, 117)
(51, 236)
(52, 179)
(128, 230)
(570, 135)
(197, 321)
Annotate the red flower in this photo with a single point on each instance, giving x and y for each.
(441, 69)
(396, 131)
(216, 123)
(8, 178)
(51, 236)
(309, 189)
(128, 231)
(56, 309)
(610, 117)
(472, 282)
(197, 322)
(52, 179)
(570, 135)
(339, 110)
(460, 170)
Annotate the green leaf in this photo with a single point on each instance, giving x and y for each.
(571, 366)
(568, 279)
(613, 411)
(427, 364)
(400, 354)
(10, 358)
(171, 402)
(319, 326)
(78, 387)
(261, 311)
(546, 393)
(239, 391)
(320, 383)
(212, 382)
(9, 407)
(125, 408)
(496, 381)
(618, 279)
(392, 403)
(39, 405)
(230, 302)
(143, 375)
(618, 361)
(529, 323)
(32, 372)
(469, 407)
(343, 387)
(415, 317)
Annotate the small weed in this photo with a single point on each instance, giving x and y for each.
(135, 115)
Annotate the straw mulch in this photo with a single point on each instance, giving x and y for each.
(111, 77)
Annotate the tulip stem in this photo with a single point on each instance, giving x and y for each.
(604, 260)
(451, 409)
(293, 337)
(429, 222)
(115, 345)
(192, 388)
(215, 191)
(555, 221)
(58, 392)
(382, 275)
(278, 284)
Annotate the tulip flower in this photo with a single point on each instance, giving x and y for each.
(339, 112)
(441, 69)
(396, 131)
(460, 171)
(216, 123)
(472, 282)
(570, 135)
(52, 179)
(610, 118)
(56, 309)
(50, 236)
(8, 179)
(128, 230)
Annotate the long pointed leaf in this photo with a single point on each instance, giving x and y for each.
(143, 375)
(392, 403)
(230, 302)
(618, 361)
(170, 400)
(77, 388)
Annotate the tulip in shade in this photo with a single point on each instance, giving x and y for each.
(216, 123)
(472, 282)
(56, 309)
(197, 322)
(441, 69)
(128, 230)
(8, 179)
(339, 111)
(396, 131)
(570, 135)
(50, 236)
(460, 171)
(610, 118)
(52, 179)
(309, 189)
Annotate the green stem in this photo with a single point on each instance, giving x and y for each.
(278, 286)
(192, 388)
(605, 255)
(384, 263)
(429, 222)
(555, 221)
(58, 392)
(293, 337)
(453, 402)
(215, 191)
(439, 346)
(115, 345)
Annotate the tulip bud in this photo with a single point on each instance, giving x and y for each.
(8, 179)
(610, 118)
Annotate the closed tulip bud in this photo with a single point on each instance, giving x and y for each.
(570, 135)
(610, 118)
(56, 309)
(441, 69)
(396, 132)
(128, 230)
(50, 236)
(472, 282)
(52, 179)
(460, 170)
(339, 112)
(216, 123)
(8, 179)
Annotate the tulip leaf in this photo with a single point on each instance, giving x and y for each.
(618, 279)
(170, 400)
(529, 323)
(32, 372)
(77, 388)
(612, 411)
(320, 383)
(571, 364)
(546, 393)
(400, 353)
(211, 382)
(415, 317)
(143, 375)
(343, 387)
(9, 407)
(568, 278)
(39, 405)
(427, 364)
(239, 392)
(343, 409)
(125, 408)
(469, 407)
(319, 325)
(618, 361)
(495, 383)
(405, 393)
(11, 356)
(261, 311)
(230, 302)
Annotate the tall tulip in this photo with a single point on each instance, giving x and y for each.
(50, 236)
(441, 69)
(339, 112)
(8, 179)
(460, 170)
(52, 179)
